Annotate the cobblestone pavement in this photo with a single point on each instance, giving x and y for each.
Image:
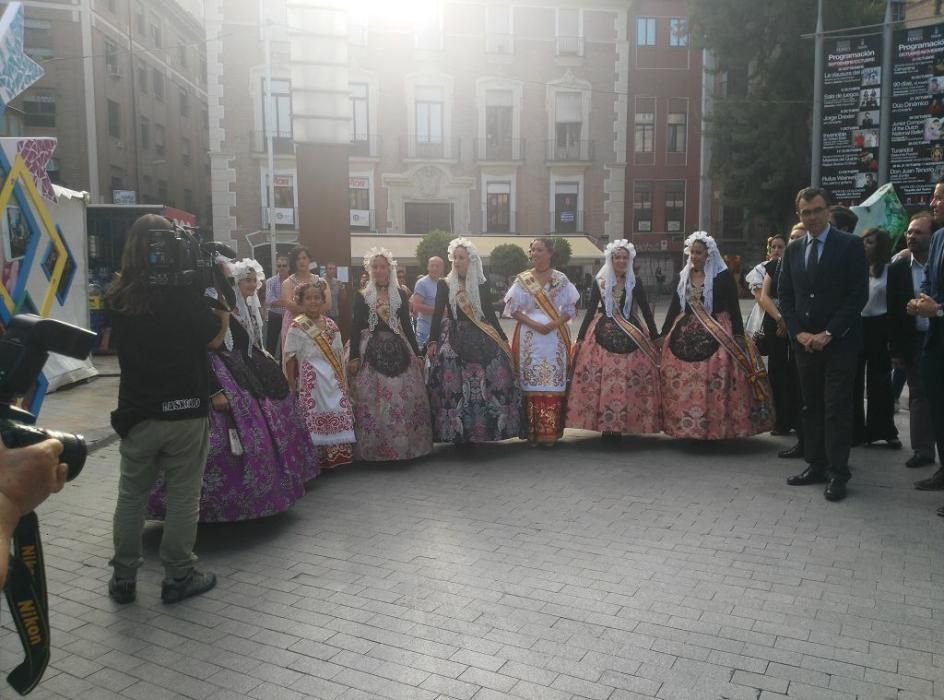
(649, 569)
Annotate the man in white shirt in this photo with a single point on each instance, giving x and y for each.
(273, 304)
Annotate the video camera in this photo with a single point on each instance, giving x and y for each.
(178, 258)
(24, 349)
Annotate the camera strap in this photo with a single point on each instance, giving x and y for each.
(26, 597)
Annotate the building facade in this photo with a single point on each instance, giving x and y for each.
(482, 118)
(125, 95)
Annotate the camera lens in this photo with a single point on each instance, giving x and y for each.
(74, 451)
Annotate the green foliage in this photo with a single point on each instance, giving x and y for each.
(435, 242)
(562, 252)
(760, 128)
(507, 260)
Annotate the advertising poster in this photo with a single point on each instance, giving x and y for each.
(852, 98)
(917, 135)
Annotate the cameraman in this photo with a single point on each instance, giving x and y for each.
(27, 476)
(161, 334)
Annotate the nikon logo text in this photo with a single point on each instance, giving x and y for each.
(30, 621)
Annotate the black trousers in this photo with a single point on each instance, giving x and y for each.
(273, 333)
(932, 366)
(783, 382)
(826, 378)
(873, 384)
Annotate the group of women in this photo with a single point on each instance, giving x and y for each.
(383, 398)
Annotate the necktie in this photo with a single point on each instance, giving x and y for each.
(813, 261)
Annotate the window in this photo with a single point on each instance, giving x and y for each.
(184, 103)
(147, 185)
(678, 32)
(182, 53)
(569, 41)
(188, 200)
(111, 58)
(114, 119)
(498, 35)
(281, 109)
(155, 34)
(284, 186)
(140, 26)
(677, 136)
(675, 207)
(360, 129)
(159, 139)
(569, 125)
(429, 114)
(142, 83)
(645, 132)
(185, 151)
(498, 207)
(422, 217)
(39, 108)
(645, 31)
(642, 207)
(898, 10)
(112, 5)
(157, 80)
(37, 38)
(145, 133)
(499, 113)
(162, 191)
(359, 188)
(429, 35)
(567, 218)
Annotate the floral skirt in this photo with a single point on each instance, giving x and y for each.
(706, 394)
(472, 388)
(277, 457)
(543, 419)
(391, 414)
(613, 392)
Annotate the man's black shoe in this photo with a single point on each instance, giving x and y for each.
(812, 475)
(835, 490)
(795, 452)
(917, 460)
(935, 483)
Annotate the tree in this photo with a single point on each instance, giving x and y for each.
(507, 260)
(562, 252)
(760, 125)
(436, 242)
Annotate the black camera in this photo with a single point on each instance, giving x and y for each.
(24, 348)
(176, 258)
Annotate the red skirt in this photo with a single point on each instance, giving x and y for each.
(544, 417)
(712, 398)
(613, 392)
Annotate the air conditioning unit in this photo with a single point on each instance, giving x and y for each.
(114, 71)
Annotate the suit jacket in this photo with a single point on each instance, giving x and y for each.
(903, 333)
(835, 299)
(934, 286)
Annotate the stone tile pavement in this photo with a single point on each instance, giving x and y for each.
(651, 569)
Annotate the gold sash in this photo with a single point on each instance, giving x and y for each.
(319, 336)
(748, 359)
(536, 289)
(463, 301)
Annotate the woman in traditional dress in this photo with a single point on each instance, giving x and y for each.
(616, 386)
(714, 384)
(542, 300)
(259, 458)
(755, 284)
(315, 365)
(472, 386)
(391, 408)
(299, 262)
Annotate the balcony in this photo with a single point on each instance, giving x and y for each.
(499, 222)
(412, 148)
(567, 221)
(283, 144)
(499, 43)
(569, 151)
(366, 148)
(504, 150)
(570, 46)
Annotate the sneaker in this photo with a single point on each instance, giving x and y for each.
(174, 590)
(122, 590)
(934, 483)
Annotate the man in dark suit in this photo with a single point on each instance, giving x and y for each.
(930, 305)
(824, 284)
(907, 332)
